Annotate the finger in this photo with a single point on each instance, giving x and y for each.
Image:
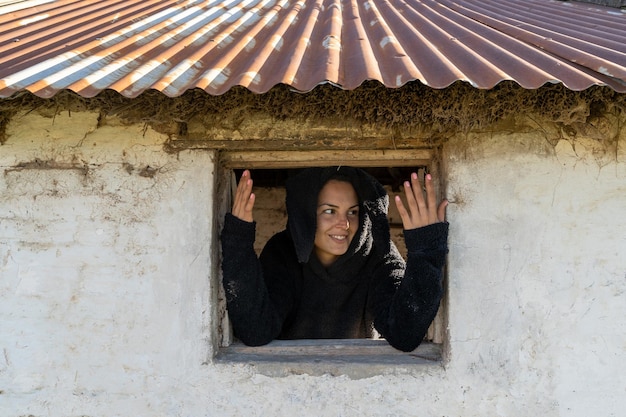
(244, 198)
(244, 185)
(249, 206)
(404, 215)
(412, 204)
(441, 211)
(241, 193)
(419, 196)
(432, 198)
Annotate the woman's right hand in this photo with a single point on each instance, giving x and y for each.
(244, 198)
(421, 211)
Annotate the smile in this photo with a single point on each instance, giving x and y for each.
(338, 237)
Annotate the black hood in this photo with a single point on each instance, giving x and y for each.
(302, 193)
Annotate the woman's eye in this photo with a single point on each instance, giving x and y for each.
(351, 213)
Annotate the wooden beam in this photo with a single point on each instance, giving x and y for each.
(355, 358)
(298, 144)
(297, 159)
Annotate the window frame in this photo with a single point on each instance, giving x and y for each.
(354, 357)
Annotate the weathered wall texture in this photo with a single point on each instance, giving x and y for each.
(107, 306)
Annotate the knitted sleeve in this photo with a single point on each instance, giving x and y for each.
(406, 303)
(255, 318)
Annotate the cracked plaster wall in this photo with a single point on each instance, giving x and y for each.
(106, 301)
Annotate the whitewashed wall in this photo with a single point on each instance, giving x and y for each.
(106, 304)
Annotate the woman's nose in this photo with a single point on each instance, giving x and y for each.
(344, 223)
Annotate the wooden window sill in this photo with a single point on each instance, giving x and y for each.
(356, 358)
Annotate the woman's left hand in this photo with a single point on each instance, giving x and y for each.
(421, 211)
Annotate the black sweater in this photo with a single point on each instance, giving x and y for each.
(286, 293)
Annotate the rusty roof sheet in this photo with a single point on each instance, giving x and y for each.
(173, 46)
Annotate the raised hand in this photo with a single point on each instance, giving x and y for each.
(243, 201)
(421, 211)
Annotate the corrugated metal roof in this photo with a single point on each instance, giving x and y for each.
(173, 46)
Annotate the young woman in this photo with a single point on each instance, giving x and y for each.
(334, 272)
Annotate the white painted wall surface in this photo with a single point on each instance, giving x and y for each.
(106, 300)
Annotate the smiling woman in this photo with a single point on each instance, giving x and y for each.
(334, 273)
(337, 209)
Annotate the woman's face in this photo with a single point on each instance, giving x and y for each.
(337, 220)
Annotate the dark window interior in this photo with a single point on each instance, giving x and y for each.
(392, 176)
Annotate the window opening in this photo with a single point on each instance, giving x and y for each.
(270, 173)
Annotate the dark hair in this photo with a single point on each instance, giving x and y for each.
(342, 176)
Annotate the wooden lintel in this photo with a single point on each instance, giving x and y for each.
(295, 159)
(298, 144)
